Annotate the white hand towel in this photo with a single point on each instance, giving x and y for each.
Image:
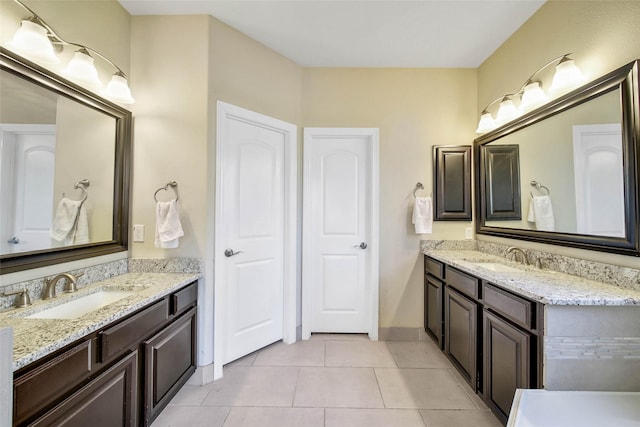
(69, 215)
(168, 226)
(423, 215)
(541, 212)
(81, 236)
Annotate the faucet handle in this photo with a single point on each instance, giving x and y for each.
(23, 297)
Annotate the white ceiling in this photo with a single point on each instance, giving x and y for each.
(364, 33)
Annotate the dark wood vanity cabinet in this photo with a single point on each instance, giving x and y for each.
(492, 336)
(512, 346)
(461, 322)
(434, 300)
(170, 359)
(121, 375)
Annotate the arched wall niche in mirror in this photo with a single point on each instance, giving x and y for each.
(64, 169)
(578, 169)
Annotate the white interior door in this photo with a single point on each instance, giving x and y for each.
(598, 168)
(340, 238)
(27, 162)
(253, 232)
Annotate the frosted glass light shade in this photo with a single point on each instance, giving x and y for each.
(506, 112)
(486, 123)
(532, 97)
(32, 42)
(82, 70)
(118, 90)
(567, 76)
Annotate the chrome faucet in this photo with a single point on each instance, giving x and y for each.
(518, 255)
(50, 284)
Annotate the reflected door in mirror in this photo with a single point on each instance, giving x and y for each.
(27, 159)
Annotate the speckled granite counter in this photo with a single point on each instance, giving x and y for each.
(35, 338)
(545, 286)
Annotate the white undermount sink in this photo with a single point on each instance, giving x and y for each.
(498, 267)
(80, 306)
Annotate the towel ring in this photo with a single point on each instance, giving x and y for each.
(82, 186)
(540, 187)
(419, 186)
(171, 184)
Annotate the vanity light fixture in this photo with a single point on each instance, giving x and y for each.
(567, 76)
(36, 40)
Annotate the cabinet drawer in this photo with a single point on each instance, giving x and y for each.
(108, 400)
(185, 298)
(130, 331)
(513, 307)
(464, 283)
(434, 267)
(46, 384)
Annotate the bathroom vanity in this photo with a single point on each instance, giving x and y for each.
(116, 365)
(508, 326)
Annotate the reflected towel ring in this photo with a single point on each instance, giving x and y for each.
(82, 186)
(540, 187)
(171, 184)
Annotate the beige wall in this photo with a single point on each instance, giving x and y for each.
(415, 109)
(604, 36)
(170, 80)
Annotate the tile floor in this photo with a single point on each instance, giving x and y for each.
(331, 381)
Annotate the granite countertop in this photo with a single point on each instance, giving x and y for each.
(545, 286)
(35, 338)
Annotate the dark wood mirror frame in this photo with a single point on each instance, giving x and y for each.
(32, 72)
(624, 78)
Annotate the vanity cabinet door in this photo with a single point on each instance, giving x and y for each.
(461, 334)
(507, 363)
(433, 315)
(109, 400)
(170, 359)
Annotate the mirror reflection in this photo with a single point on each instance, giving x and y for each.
(49, 145)
(571, 171)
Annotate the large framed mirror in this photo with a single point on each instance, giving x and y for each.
(578, 169)
(64, 169)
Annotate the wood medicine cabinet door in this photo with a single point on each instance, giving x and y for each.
(452, 182)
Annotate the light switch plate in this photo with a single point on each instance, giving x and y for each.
(468, 233)
(138, 233)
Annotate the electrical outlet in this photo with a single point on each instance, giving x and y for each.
(468, 233)
(138, 233)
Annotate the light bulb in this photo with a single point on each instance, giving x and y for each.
(567, 76)
(532, 97)
(486, 123)
(82, 70)
(118, 90)
(32, 42)
(506, 112)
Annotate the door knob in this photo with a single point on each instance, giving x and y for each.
(362, 245)
(14, 240)
(229, 253)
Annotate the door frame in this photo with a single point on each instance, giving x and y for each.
(373, 188)
(227, 111)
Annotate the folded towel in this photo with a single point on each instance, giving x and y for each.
(168, 226)
(541, 213)
(423, 215)
(70, 224)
